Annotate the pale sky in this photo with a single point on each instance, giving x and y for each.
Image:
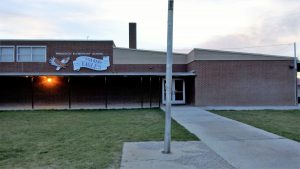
(213, 24)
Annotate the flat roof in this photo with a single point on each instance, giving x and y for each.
(56, 40)
(243, 53)
(258, 56)
(155, 57)
(146, 50)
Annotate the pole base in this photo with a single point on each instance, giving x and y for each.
(165, 152)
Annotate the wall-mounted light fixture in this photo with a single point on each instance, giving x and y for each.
(49, 81)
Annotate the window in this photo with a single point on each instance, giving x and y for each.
(31, 54)
(7, 53)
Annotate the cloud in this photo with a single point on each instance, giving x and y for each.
(206, 23)
(55, 19)
(77, 19)
(282, 29)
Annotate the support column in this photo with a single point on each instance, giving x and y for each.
(32, 92)
(142, 93)
(105, 88)
(150, 80)
(160, 89)
(69, 91)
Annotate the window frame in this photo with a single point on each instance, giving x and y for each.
(14, 53)
(31, 53)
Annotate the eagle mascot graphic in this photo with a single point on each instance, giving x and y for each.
(59, 63)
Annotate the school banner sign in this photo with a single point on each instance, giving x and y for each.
(91, 63)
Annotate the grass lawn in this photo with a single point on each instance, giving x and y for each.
(77, 138)
(281, 122)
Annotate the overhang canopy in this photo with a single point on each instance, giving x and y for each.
(177, 74)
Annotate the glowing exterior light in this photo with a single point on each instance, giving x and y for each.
(49, 80)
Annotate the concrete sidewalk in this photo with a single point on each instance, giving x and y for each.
(184, 155)
(251, 107)
(243, 146)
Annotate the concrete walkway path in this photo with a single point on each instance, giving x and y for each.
(243, 146)
(251, 107)
(184, 155)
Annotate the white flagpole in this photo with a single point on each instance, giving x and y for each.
(295, 67)
(167, 141)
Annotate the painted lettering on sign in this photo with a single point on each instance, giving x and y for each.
(78, 53)
(91, 63)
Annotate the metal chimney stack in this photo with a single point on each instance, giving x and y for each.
(132, 35)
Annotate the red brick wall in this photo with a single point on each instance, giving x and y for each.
(243, 83)
(105, 47)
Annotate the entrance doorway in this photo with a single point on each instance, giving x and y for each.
(177, 91)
